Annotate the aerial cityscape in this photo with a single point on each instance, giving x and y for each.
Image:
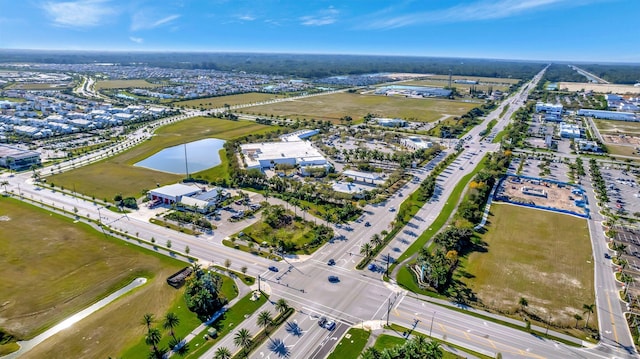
(284, 179)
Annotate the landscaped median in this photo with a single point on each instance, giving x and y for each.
(406, 279)
(351, 344)
(409, 208)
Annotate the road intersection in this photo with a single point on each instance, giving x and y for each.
(361, 296)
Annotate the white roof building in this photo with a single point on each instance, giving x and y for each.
(391, 122)
(608, 115)
(172, 193)
(569, 130)
(415, 143)
(269, 154)
(549, 108)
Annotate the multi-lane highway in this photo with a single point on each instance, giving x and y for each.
(361, 297)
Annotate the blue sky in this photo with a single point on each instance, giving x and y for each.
(578, 30)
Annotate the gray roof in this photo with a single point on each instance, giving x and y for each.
(176, 190)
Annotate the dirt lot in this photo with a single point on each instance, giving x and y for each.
(541, 193)
(601, 88)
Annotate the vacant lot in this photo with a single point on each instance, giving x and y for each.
(39, 86)
(618, 127)
(333, 107)
(493, 80)
(48, 275)
(601, 88)
(118, 175)
(462, 88)
(542, 256)
(231, 100)
(121, 84)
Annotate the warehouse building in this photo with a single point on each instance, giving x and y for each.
(608, 115)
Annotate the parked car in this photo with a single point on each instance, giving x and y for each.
(331, 262)
(330, 325)
(273, 268)
(367, 224)
(333, 279)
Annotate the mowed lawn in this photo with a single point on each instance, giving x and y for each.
(51, 274)
(231, 100)
(542, 256)
(333, 107)
(107, 178)
(121, 84)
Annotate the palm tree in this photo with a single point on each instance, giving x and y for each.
(5, 184)
(242, 339)
(222, 353)
(578, 318)
(376, 240)
(588, 309)
(365, 249)
(282, 305)
(147, 320)
(433, 350)
(370, 353)
(171, 321)
(264, 320)
(153, 338)
(523, 303)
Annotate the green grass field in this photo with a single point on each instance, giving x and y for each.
(121, 84)
(116, 175)
(299, 233)
(542, 256)
(333, 107)
(49, 275)
(220, 101)
(351, 344)
(622, 150)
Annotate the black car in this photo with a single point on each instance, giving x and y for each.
(334, 279)
(331, 262)
(273, 268)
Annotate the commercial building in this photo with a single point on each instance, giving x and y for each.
(204, 202)
(17, 159)
(415, 143)
(366, 177)
(549, 108)
(608, 115)
(172, 193)
(268, 154)
(391, 122)
(589, 146)
(567, 130)
(413, 91)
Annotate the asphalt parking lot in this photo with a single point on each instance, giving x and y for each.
(623, 191)
(631, 238)
(558, 170)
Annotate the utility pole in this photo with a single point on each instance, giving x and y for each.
(259, 290)
(431, 327)
(388, 257)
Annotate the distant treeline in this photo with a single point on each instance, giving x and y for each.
(617, 74)
(562, 72)
(298, 65)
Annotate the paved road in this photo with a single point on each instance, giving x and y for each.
(361, 296)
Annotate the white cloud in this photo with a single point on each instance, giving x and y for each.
(246, 17)
(477, 11)
(137, 40)
(324, 17)
(81, 13)
(143, 21)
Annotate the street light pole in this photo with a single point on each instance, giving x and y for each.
(431, 327)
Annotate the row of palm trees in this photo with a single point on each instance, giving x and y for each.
(243, 339)
(587, 309)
